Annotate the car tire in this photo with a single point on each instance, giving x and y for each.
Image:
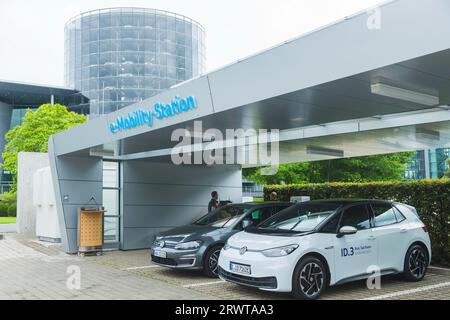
(211, 262)
(310, 278)
(416, 263)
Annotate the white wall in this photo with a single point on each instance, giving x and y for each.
(28, 164)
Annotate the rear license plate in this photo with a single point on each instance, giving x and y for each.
(240, 268)
(159, 253)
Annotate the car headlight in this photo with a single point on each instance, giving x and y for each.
(226, 246)
(280, 252)
(189, 245)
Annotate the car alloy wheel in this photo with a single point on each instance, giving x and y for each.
(211, 262)
(214, 262)
(311, 279)
(417, 263)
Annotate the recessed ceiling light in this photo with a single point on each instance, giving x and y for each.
(404, 94)
(324, 151)
(422, 133)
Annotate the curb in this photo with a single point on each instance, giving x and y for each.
(439, 270)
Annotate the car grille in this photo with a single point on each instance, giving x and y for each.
(265, 283)
(164, 261)
(166, 244)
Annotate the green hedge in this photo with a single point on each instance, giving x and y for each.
(431, 198)
(8, 204)
(3, 210)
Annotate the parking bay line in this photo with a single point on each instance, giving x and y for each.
(194, 285)
(410, 291)
(139, 268)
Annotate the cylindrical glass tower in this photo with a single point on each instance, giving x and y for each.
(120, 56)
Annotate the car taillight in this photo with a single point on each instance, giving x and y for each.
(425, 228)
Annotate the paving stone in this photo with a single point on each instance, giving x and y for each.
(35, 270)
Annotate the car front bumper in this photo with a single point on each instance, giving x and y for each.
(270, 274)
(179, 259)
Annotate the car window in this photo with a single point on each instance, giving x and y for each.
(262, 214)
(279, 208)
(384, 214)
(398, 215)
(357, 217)
(303, 217)
(223, 217)
(332, 225)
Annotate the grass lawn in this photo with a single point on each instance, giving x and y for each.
(7, 220)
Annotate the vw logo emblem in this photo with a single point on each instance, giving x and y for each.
(243, 250)
(162, 244)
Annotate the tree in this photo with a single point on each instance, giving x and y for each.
(360, 169)
(33, 134)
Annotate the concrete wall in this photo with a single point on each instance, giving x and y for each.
(157, 197)
(154, 196)
(76, 180)
(28, 164)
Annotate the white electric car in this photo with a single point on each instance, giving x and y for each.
(311, 245)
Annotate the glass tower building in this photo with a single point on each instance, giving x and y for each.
(120, 56)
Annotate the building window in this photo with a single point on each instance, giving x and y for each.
(111, 201)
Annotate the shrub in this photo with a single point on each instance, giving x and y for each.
(429, 197)
(10, 203)
(12, 210)
(3, 209)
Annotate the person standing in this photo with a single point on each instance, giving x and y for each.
(214, 202)
(273, 196)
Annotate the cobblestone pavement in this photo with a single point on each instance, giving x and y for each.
(32, 270)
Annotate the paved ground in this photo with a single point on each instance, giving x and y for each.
(34, 270)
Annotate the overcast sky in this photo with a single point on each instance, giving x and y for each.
(32, 32)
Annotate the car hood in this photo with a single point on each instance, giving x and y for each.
(258, 242)
(190, 232)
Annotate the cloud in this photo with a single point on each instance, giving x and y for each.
(32, 32)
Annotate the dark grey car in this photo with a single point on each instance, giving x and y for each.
(197, 246)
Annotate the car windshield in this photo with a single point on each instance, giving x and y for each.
(223, 217)
(300, 218)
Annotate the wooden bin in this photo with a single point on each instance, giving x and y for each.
(90, 230)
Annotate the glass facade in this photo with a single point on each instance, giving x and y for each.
(117, 57)
(438, 162)
(415, 170)
(429, 164)
(17, 116)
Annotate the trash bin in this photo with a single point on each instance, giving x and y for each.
(90, 230)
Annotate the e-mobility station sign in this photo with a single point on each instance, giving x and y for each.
(160, 111)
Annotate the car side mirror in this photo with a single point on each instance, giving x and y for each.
(346, 231)
(246, 224)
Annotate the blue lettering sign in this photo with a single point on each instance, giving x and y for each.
(160, 111)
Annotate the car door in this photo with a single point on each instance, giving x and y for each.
(391, 235)
(354, 254)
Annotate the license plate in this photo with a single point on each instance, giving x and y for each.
(240, 268)
(159, 253)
